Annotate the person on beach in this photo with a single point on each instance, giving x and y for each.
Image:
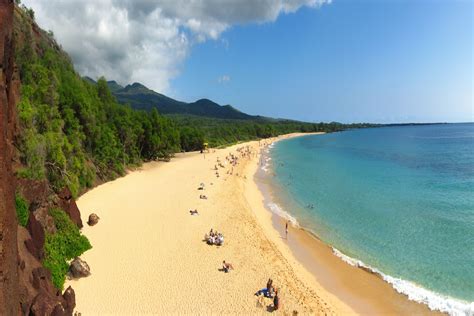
(286, 230)
(276, 301)
(266, 291)
(263, 291)
(269, 284)
(226, 266)
(219, 239)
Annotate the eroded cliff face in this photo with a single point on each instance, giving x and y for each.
(25, 285)
(9, 90)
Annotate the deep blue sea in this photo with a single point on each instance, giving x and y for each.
(399, 200)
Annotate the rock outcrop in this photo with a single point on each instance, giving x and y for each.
(68, 204)
(41, 198)
(36, 242)
(57, 305)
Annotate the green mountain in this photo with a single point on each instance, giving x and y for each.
(142, 98)
(114, 86)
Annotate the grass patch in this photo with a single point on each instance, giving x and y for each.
(66, 244)
(22, 212)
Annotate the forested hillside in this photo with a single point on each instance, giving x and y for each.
(140, 97)
(73, 132)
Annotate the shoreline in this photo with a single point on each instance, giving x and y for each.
(358, 286)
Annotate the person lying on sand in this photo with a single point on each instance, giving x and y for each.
(195, 212)
(227, 266)
(276, 301)
(265, 291)
(203, 197)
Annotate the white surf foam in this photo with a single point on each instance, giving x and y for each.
(266, 160)
(265, 166)
(276, 209)
(416, 293)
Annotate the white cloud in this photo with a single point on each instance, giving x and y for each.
(223, 79)
(147, 40)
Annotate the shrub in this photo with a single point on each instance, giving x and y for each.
(66, 244)
(21, 210)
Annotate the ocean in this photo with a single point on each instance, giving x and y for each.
(398, 200)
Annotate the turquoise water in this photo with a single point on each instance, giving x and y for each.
(399, 199)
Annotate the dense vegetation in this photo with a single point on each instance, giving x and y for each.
(224, 132)
(22, 212)
(72, 131)
(67, 243)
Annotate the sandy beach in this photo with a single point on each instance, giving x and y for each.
(149, 256)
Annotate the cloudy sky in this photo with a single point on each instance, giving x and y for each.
(148, 40)
(343, 60)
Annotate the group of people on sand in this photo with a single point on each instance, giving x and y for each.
(233, 160)
(246, 152)
(218, 163)
(270, 292)
(214, 238)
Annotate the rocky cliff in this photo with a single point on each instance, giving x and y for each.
(26, 287)
(9, 290)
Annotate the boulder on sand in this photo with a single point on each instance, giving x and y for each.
(79, 268)
(93, 219)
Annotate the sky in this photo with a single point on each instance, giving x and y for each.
(379, 61)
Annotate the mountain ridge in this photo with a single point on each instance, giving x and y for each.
(140, 97)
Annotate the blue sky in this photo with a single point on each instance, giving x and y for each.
(314, 60)
(348, 61)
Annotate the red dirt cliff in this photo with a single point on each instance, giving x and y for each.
(9, 91)
(25, 285)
